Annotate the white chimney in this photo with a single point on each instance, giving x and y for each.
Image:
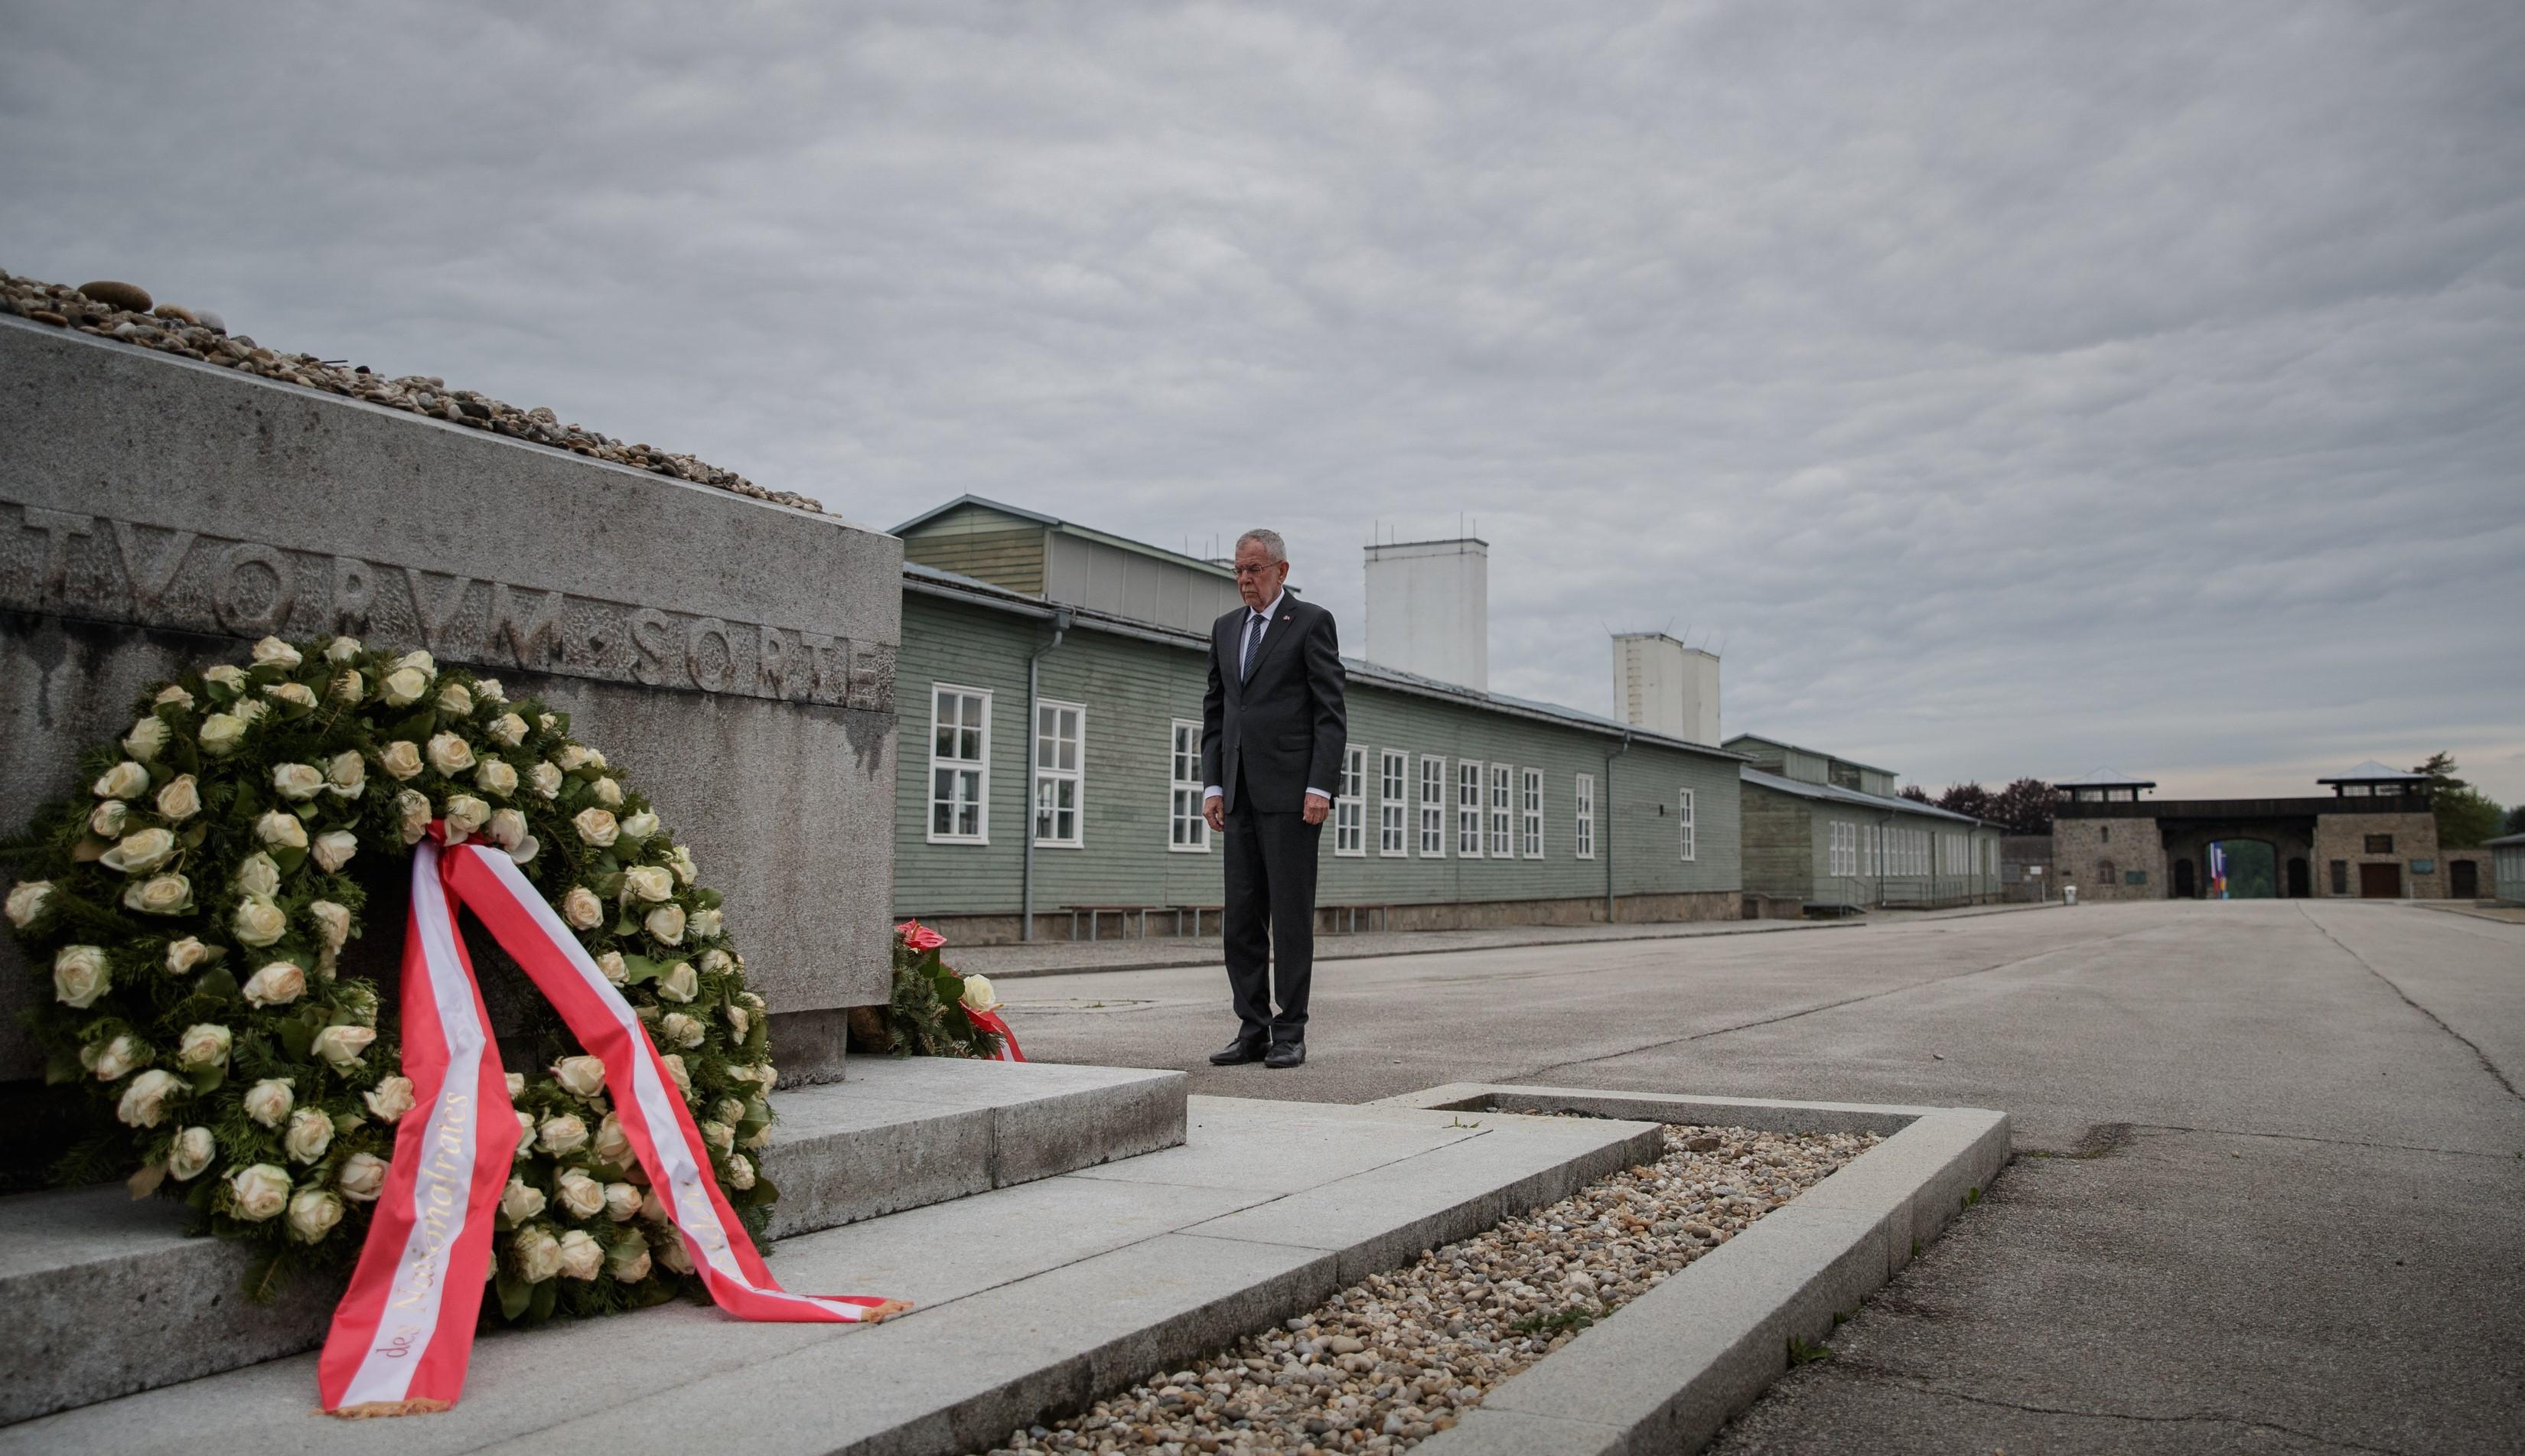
(1662, 686)
(1429, 609)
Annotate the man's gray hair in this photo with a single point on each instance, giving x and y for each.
(1273, 548)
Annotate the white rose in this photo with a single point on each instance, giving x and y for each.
(269, 1101)
(334, 921)
(346, 773)
(739, 1020)
(160, 894)
(525, 1135)
(596, 827)
(144, 1102)
(350, 687)
(258, 923)
(490, 690)
(683, 1080)
(193, 1150)
(222, 733)
(720, 1135)
(405, 685)
(581, 1197)
(139, 852)
(507, 828)
(174, 693)
(297, 781)
(520, 1202)
(333, 849)
(110, 818)
(667, 922)
(678, 984)
(562, 1134)
(507, 730)
(581, 908)
(273, 652)
(978, 995)
(524, 852)
(343, 1046)
(362, 1177)
(740, 1171)
(114, 1060)
(641, 825)
(622, 1201)
(611, 1144)
(709, 924)
(282, 830)
(729, 1109)
(453, 698)
(648, 883)
(146, 737)
(419, 661)
(652, 1207)
(538, 1255)
(27, 901)
(573, 756)
(310, 1132)
(517, 1081)
(496, 778)
(252, 711)
(450, 753)
(341, 649)
(390, 1098)
(681, 862)
(258, 874)
(581, 1257)
(611, 963)
(671, 1252)
(465, 813)
(580, 1077)
(717, 962)
(313, 1213)
(608, 792)
(180, 799)
(205, 1045)
(411, 810)
(628, 1261)
(183, 955)
(676, 1028)
(546, 779)
(225, 675)
(296, 694)
(80, 976)
(121, 781)
(401, 758)
(260, 1192)
(276, 984)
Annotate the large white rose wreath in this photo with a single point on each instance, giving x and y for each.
(187, 914)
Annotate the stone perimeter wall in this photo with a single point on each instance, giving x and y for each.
(2080, 845)
(736, 658)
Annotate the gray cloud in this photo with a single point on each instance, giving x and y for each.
(2013, 390)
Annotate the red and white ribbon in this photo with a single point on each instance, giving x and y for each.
(404, 1330)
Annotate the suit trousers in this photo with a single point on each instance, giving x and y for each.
(1270, 919)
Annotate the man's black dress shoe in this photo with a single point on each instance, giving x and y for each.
(1285, 1055)
(1236, 1053)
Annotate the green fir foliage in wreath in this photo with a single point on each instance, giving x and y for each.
(185, 912)
(925, 1018)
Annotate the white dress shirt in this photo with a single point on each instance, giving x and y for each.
(1271, 611)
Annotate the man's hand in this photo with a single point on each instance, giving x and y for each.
(1214, 809)
(1317, 808)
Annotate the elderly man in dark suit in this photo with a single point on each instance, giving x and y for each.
(1272, 732)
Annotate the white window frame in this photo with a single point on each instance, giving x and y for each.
(1392, 803)
(1530, 796)
(979, 768)
(1469, 809)
(1685, 828)
(1582, 828)
(1502, 811)
(1868, 850)
(1432, 806)
(1042, 777)
(1182, 791)
(1350, 805)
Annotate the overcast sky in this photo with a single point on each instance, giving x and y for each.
(2005, 389)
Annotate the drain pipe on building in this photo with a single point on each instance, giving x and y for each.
(1608, 822)
(1061, 621)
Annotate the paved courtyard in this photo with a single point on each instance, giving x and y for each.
(2270, 1184)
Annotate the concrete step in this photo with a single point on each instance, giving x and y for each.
(1032, 1300)
(107, 1297)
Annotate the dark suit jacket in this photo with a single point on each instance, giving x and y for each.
(1285, 726)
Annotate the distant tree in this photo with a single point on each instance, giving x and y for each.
(2441, 771)
(2024, 806)
(1915, 793)
(2516, 819)
(1968, 798)
(2465, 816)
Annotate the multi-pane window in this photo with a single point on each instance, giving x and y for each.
(1186, 829)
(1532, 790)
(1583, 834)
(1433, 807)
(959, 766)
(1683, 823)
(1832, 865)
(1502, 812)
(1350, 805)
(1057, 774)
(1468, 810)
(1391, 810)
(1868, 850)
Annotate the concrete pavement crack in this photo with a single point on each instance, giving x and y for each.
(2382, 1147)
(2478, 1054)
(1887, 1376)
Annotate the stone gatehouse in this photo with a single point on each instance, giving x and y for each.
(2374, 835)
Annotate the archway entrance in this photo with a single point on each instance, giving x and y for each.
(2243, 869)
(2187, 886)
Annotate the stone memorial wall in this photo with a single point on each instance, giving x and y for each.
(735, 657)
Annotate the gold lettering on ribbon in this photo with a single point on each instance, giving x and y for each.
(443, 1181)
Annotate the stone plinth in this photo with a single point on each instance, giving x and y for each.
(735, 657)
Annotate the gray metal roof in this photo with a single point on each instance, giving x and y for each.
(2502, 842)
(2105, 779)
(1072, 528)
(1835, 793)
(2372, 771)
(1814, 753)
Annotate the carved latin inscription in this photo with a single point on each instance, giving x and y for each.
(66, 564)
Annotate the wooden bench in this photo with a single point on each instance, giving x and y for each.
(1096, 913)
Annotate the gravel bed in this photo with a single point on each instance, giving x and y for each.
(126, 312)
(1387, 1362)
